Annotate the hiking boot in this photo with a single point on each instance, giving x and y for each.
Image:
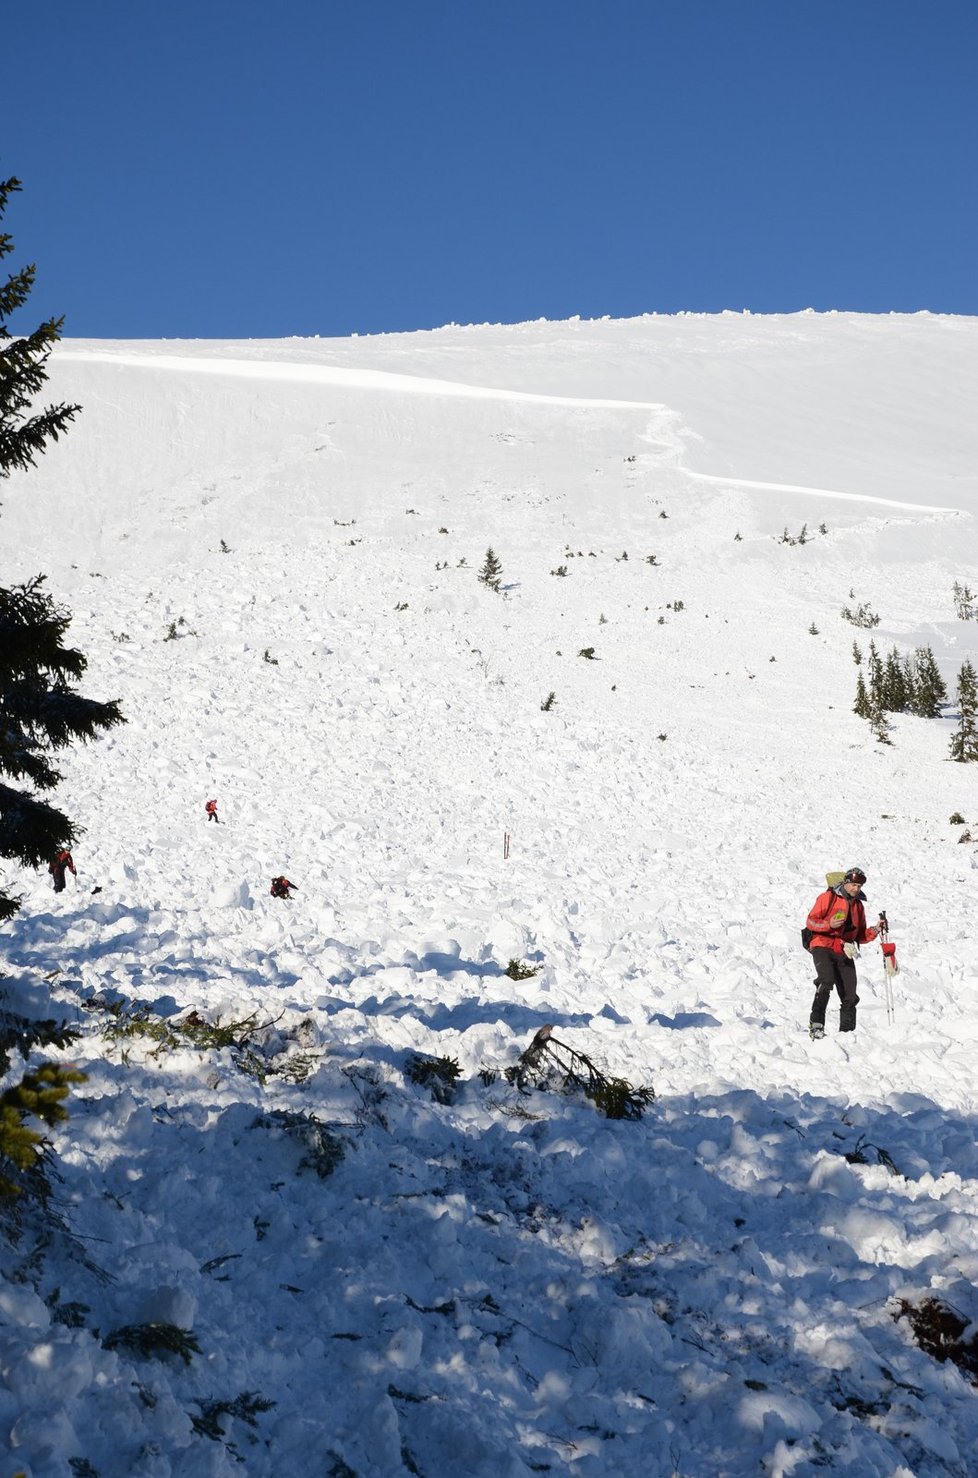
(847, 1019)
(816, 1030)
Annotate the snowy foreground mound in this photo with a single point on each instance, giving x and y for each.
(273, 1250)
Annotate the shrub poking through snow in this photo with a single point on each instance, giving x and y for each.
(516, 970)
(863, 616)
(72, 1315)
(588, 653)
(858, 1156)
(438, 1074)
(324, 1150)
(548, 702)
(956, 820)
(548, 1064)
(244, 1408)
(153, 1341)
(965, 602)
(938, 1330)
(802, 537)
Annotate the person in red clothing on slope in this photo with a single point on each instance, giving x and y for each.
(838, 924)
(211, 809)
(61, 863)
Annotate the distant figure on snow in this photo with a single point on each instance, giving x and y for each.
(282, 888)
(211, 809)
(838, 924)
(61, 863)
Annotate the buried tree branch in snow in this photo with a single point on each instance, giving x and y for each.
(154, 1341)
(437, 1073)
(324, 1150)
(548, 1064)
(938, 1330)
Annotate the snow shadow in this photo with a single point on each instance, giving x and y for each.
(683, 1020)
(462, 1015)
(569, 1278)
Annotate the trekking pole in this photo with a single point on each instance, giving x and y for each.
(887, 977)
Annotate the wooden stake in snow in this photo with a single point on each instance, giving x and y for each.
(505, 845)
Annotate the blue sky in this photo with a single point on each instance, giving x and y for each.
(229, 168)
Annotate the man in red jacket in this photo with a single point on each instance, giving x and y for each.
(61, 863)
(838, 924)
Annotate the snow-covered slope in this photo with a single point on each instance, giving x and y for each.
(504, 1284)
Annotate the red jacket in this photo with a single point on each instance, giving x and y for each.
(836, 919)
(62, 860)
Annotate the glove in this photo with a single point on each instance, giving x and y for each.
(850, 950)
(890, 960)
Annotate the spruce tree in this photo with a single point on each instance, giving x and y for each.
(878, 722)
(930, 689)
(875, 681)
(24, 433)
(909, 684)
(861, 705)
(491, 572)
(894, 687)
(964, 743)
(40, 713)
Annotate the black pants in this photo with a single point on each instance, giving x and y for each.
(59, 881)
(838, 971)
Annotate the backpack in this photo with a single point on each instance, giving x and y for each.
(832, 880)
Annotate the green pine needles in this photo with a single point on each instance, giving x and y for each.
(39, 1096)
(548, 1064)
(516, 970)
(438, 1074)
(154, 1341)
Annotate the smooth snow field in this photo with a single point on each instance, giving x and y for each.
(271, 553)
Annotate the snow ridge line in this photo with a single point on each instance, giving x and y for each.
(347, 378)
(387, 380)
(793, 487)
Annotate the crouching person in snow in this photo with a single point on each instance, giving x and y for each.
(838, 925)
(58, 866)
(282, 888)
